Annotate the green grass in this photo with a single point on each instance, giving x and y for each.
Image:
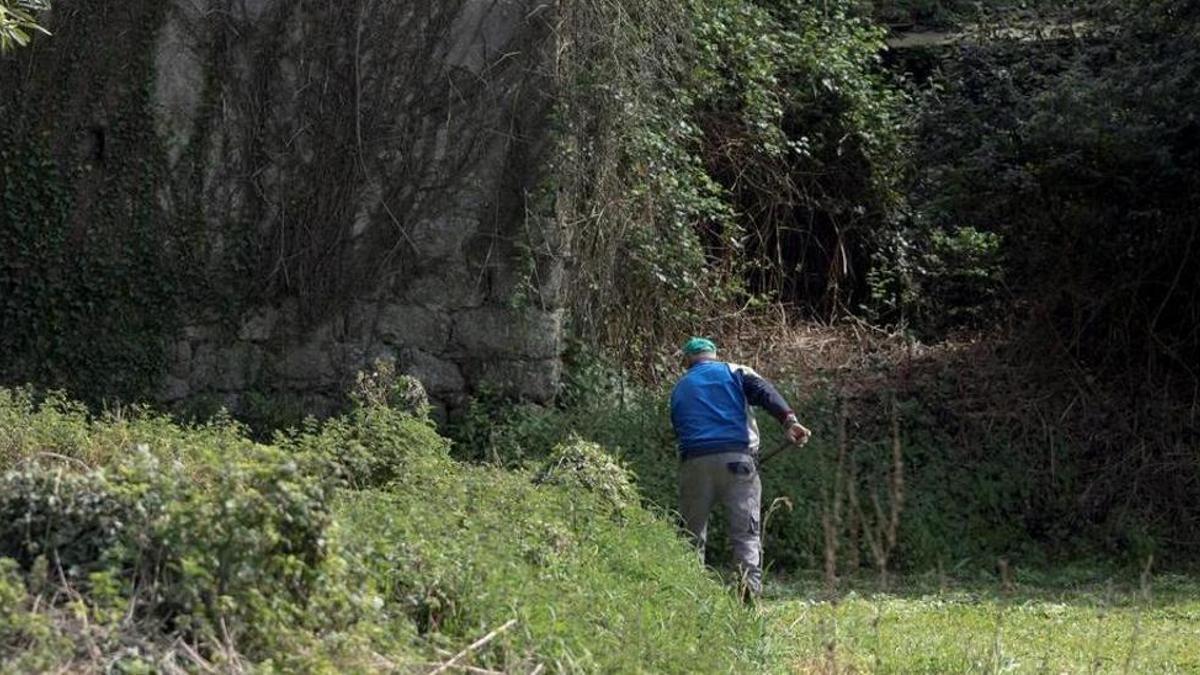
(353, 545)
(361, 544)
(591, 591)
(1043, 625)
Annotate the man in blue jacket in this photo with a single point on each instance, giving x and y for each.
(718, 449)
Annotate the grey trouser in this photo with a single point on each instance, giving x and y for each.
(732, 479)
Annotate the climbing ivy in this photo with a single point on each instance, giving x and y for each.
(88, 269)
(83, 305)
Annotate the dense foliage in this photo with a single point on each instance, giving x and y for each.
(129, 543)
(1068, 169)
(804, 133)
(733, 151)
(1082, 159)
(720, 152)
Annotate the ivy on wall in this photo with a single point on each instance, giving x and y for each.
(88, 276)
(315, 160)
(85, 306)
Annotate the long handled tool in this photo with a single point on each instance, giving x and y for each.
(783, 447)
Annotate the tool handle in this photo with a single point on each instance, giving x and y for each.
(777, 451)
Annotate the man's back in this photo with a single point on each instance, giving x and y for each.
(710, 411)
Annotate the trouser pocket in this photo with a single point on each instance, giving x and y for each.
(741, 468)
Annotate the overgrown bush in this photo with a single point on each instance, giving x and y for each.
(129, 542)
(386, 436)
(975, 489)
(214, 547)
(580, 465)
(806, 134)
(1073, 155)
(934, 281)
(716, 151)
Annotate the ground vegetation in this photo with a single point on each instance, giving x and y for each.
(132, 544)
(1072, 620)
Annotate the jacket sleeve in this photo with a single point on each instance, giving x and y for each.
(759, 392)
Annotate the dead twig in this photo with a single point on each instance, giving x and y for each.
(453, 662)
(882, 533)
(45, 454)
(195, 658)
(468, 669)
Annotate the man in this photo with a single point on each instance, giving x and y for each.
(718, 449)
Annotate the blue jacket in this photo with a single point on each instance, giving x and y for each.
(710, 408)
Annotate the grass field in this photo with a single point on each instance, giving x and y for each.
(1068, 623)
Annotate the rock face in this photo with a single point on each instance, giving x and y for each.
(342, 182)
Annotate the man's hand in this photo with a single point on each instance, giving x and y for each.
(798, 434)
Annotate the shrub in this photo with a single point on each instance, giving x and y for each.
(193, 534)
(806, 135)
(26, 635)
(368, 447)
(1073, 154)
(578, 464)
(53, 426)
(234, 551)
(715, 151)
(128, 542)
(938, 281)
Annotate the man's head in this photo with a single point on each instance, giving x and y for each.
(699, 349)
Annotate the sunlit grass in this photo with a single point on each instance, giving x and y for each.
(1052, 626)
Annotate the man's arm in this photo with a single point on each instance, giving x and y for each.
(759, 392)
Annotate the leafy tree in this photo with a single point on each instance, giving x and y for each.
(806, 135)
(18, 21)
(719, 152)
(1081, 155)
(1071, 165)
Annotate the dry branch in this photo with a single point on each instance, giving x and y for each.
(453, 662)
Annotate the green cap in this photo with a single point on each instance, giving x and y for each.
(699, 345)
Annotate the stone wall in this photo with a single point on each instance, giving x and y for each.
(351, 180)
(452, 350)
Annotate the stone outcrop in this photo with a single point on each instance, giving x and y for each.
(357, 180)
